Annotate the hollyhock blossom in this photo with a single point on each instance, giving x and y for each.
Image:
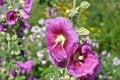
(26, 9)
(60, 37)
(24, 67)
(1, 2)
(11, 17)
(83, 63)
(31, 78)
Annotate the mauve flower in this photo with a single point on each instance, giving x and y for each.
(1, 28)
(12, 72)
(24, 25)
(1, 60)
(52, 12)
(31, 78)
(28, 5)
(1, 2)
(83, 63)
(26, 9)
(60, 37)
(25, 15)
(24, 67)
(11, 17)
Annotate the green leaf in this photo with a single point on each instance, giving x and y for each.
(84, 5)
(83, 31)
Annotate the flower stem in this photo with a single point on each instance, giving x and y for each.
(74, 4)
(8, 45)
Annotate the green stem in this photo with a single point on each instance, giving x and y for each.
(74, 4)
(8, 45)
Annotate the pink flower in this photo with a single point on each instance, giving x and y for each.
(12, 72)
(83, 63)
(26, 9)
(11, 17)
(52, 12)
(1, 27)
(60, 37)
(28, 5)
(24, 25)
(31, 78)
(1, 2)
(24, 67)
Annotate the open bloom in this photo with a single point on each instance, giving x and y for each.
(24, 67)
(11, 17)
(60, 37)
(83, 63)
(26, 9)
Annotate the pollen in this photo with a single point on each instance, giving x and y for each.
(60, 39)
(80, 57)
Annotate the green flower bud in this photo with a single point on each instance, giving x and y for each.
(22, 2)
(3, 17)
(14, 37)
(17, 52)
(83, 31)
(10, 7)
(12, 52)
(84, 5)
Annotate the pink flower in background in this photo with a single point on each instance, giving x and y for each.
(60, 37)
(12, 72)
(1, 2)
(52, 12)
(24, 25)
(11, 17)
(83, 63)
(1, 27)
(24, 67)
(28, 5)
(26, 9)
(25, 15)
(31, 78)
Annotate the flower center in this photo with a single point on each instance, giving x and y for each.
(80, 57)
(12, 17)
(60, 39)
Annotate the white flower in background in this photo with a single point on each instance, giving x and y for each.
(105, 54)
(104, 77)
(43, 62)
(41, 21)
(116, 61)
(40, 54)
(31, 37)
(43, 28)
(94, 43)
(36, 29)
(39, 44)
